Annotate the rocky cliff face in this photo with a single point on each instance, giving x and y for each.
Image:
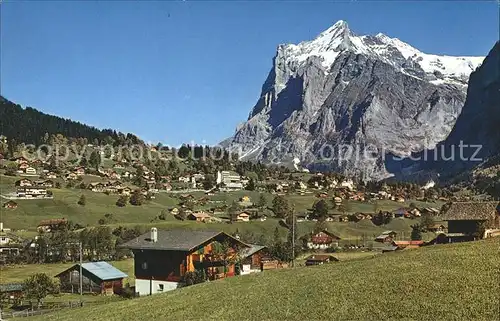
(478, 126)
(342, 101)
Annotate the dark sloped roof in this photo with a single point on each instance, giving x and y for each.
(331, 234)
(102, 270)
(254, 248)
(471, 211)
(174, 240)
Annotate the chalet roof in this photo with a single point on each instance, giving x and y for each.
(437, 225)
(175, 240)
(327, 233)
(102, 270)
(471, 211)
(254, 248)
(200, 215)
(382, 237)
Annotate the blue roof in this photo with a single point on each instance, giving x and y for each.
(103, 270)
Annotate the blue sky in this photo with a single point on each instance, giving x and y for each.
(191, 71)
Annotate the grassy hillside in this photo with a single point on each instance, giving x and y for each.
(446, 282)
(64, 204)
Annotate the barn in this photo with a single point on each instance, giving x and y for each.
(472, 219)
(97, 277)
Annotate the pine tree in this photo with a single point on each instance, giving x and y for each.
(416, 232)
(83, 161)
(426, 221)
(251, 185)
(320, 210)
(82, 201)
(262, 203)
(95, 159)
(281, 207)
(122, 201)
(137, 198)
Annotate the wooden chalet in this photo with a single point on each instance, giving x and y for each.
(253, 258)
(199, 217)
(10, 205)
(386, 237)
(97, 277)
(80, 171)
(51, 225)
(322, 240)
(242, 217)
(472, 219)
(23, 182)
(402, 212)
(20, 160)
(162, 258)
(186, 197)
(47, 183)
(320, 259)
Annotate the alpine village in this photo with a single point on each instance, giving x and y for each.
(101, 225)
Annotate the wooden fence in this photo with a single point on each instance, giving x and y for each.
(53, 308)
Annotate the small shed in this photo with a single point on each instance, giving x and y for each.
(384, 238)
(11, 290)
(97, 277)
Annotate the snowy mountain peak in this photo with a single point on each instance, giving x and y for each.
(340, 28)
(338, 38)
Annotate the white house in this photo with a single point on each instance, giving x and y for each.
(30, 170)
(32, 192)
(4, 237)
(230, 180)
(348, 184)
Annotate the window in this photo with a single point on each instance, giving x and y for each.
(160, 287)
(144, 265)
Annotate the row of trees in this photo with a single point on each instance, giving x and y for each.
(31, 126)
(63, 245)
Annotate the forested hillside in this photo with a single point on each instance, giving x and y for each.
(30, 126)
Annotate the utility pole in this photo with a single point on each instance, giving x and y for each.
(293, 238)
(81, 277)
